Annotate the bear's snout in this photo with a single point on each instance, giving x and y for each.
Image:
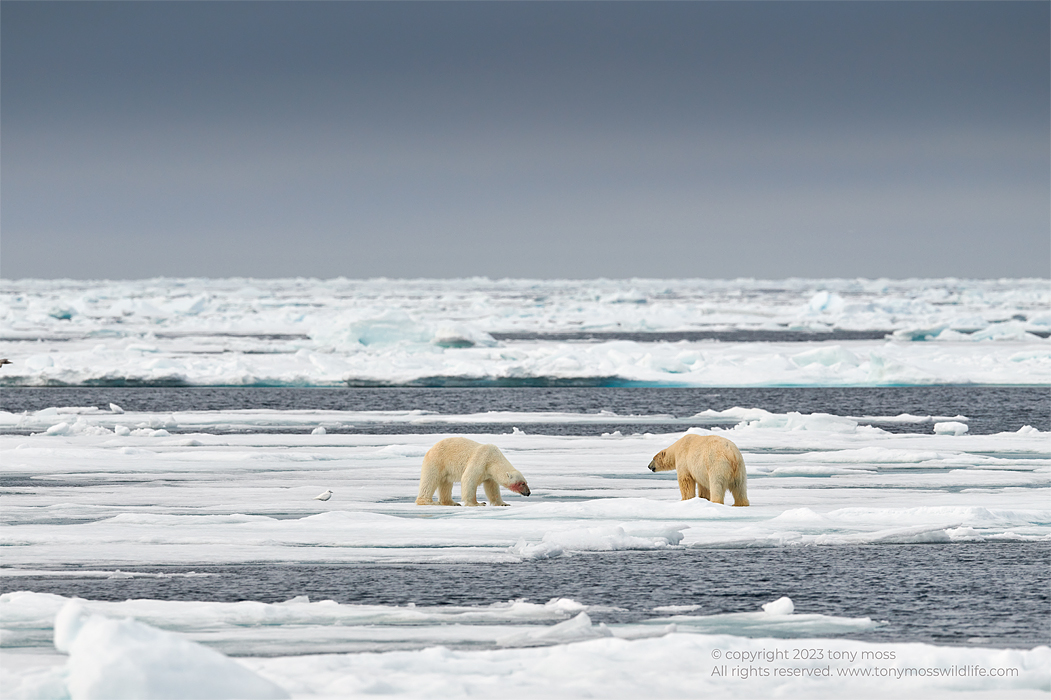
(521, 487)
(653, 466)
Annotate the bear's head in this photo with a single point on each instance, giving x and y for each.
(661, 462)
(516, 482)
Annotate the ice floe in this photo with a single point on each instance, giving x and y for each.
(169, 650)
(151, 496)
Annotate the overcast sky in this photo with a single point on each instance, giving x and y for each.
(730, 139)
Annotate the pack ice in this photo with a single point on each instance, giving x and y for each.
(302, 332)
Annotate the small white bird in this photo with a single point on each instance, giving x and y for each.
(323, 496)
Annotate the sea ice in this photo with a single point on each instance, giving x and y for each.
(147, 497)
(128, 660)
(145, 489)
(327, 333)
(155, 655)
(950, 428)
(781, 606)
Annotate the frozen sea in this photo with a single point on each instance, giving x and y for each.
(162, 443)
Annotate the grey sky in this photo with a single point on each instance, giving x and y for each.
(525, 139)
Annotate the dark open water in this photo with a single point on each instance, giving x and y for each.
(990, 409)
(994, 594)
(985, 594)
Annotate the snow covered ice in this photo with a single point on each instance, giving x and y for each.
(126, 659)
(107, 492)
(153, 498)
(150, 497)
(302, 332)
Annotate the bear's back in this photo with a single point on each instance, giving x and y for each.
(708, 448)
(454, 448)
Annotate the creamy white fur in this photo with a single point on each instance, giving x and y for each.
(707, 466)
(471, 463)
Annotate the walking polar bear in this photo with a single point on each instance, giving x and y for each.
(470, 463)
(707, 465)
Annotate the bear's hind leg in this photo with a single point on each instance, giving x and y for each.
(702, 491)
(740, 492)
(716, 485)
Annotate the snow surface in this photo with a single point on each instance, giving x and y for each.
(163, 488)
(250, 628)
(128, 660)
(109, 658)
(91, 420)
(302, 332)
(146, 497)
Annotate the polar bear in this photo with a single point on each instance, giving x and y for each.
(707, 465)
(470, 463)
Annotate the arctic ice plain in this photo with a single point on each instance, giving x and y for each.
(302, 332)
(96, 489)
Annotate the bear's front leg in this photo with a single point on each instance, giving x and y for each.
(492, 492)
(687, 485)
(473, 475)
(445, 494)
(470, 496)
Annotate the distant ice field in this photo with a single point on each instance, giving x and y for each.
(512, 333)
